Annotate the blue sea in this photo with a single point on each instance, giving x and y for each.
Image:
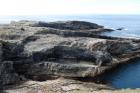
(127, 76)
(130, 23)
(124, 76)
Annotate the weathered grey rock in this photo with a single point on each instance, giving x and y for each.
(57, 47)
(23, 23)
(1, 52)
(68, 49)
(12, 51)
(7, 73)
(60, 69)
(60, 85)
(115, 47)
(69, 25)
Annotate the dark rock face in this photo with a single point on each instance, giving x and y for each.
(70, 25)
(121, 28)
(1, 52)
(7, 73)
(68, 49)
(12, 51)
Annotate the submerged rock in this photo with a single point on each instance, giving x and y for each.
(121, 28)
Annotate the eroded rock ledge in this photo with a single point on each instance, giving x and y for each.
(39, 50)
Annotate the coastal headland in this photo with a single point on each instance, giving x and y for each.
(58, 57)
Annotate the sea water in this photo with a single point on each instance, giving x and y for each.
(124, 76)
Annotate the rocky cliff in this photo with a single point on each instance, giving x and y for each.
(72, 49)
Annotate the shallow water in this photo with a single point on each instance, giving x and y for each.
(124, 76)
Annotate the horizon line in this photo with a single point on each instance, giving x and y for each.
(69, 14)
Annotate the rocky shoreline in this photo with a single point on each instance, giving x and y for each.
(57, 52)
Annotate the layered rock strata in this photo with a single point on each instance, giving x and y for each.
(39, 50)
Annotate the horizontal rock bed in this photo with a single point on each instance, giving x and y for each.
(40, 50)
